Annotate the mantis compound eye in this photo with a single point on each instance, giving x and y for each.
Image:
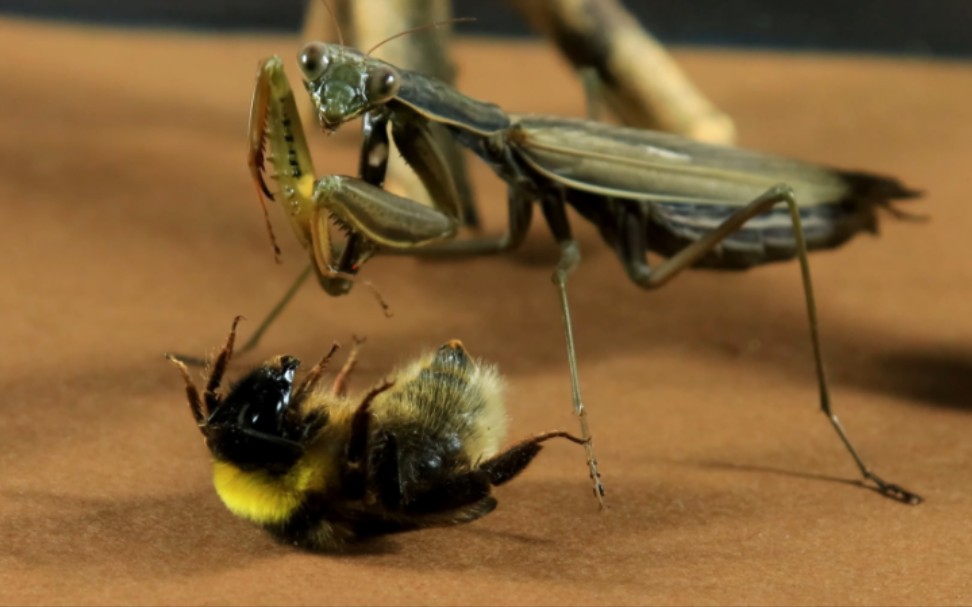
(313, 60)
(382, 84)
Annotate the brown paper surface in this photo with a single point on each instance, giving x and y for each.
(130, 228)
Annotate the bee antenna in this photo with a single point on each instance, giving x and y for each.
(433, 25)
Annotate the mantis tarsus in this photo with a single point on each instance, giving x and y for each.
(699, 204)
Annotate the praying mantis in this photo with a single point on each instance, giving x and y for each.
(699, 204)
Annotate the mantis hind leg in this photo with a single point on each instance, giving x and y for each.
(556, 216)
(633, 249)
(276, 310)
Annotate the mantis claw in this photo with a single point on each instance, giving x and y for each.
(894, 491)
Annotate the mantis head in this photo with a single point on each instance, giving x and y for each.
(344, 83)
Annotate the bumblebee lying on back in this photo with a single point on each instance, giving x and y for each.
(317, 469)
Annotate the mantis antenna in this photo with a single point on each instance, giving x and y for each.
(433, 25)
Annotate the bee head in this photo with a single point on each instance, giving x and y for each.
(258, 425)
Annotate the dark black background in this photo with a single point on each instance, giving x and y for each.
(911, 27)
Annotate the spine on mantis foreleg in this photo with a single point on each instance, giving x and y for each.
(277, 139)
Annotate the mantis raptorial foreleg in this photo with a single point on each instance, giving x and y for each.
(277, 138)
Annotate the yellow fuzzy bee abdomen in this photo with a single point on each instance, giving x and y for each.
(261, 497)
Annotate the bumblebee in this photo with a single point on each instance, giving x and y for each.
(318, 469)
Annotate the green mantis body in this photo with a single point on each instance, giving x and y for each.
(699, 204)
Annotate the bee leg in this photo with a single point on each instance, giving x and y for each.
(314, 375)
(354, 472)
(204, 406)
(464, 490)
(340, 385)
(192, 393)
(387, 473)
(210, 396)
(504, 466)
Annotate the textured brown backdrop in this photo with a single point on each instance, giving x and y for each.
(130, 228)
